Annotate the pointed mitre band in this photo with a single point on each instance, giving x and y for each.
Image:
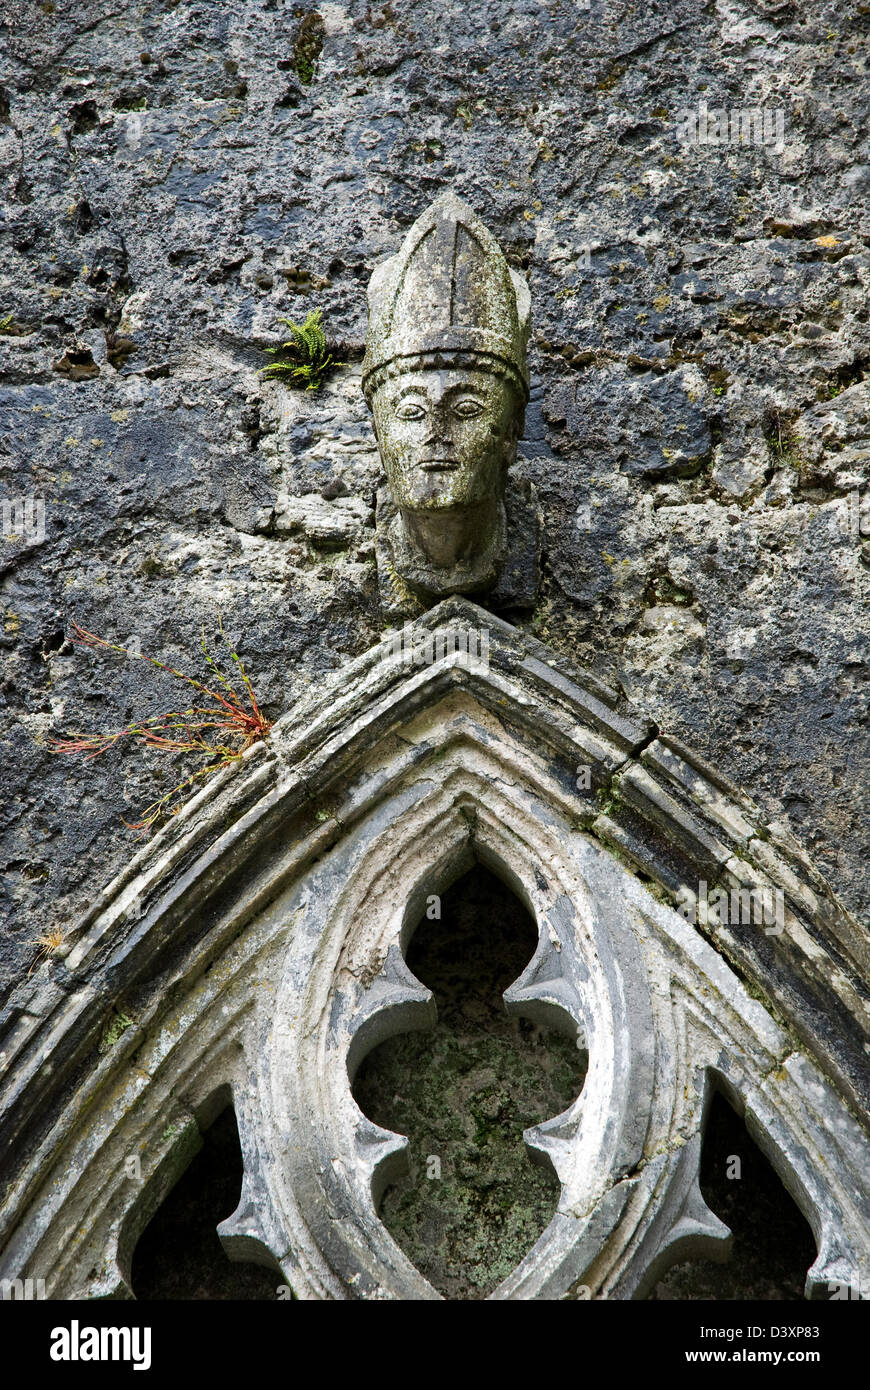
(448, 290)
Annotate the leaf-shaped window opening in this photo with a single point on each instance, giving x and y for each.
(179, 1254)
(773, 1245)
(473, 1203)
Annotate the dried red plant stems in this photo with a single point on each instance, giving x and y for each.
(218, 732)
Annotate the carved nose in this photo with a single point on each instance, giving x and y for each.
(438, 433)
(438, 450)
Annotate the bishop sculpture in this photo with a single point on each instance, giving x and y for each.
(446, 378)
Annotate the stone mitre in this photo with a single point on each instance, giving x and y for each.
(448, 290)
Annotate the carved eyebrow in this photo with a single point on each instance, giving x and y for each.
(462, 388)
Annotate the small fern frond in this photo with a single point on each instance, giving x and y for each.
(308, 358)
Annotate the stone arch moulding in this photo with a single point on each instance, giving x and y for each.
(256, 947)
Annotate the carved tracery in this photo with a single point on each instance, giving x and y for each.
(257, 944)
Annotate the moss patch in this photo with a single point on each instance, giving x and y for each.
(115, 1031)
(308, 46)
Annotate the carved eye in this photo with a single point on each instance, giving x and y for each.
(467, 408)
(410, 410)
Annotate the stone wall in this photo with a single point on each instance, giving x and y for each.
(176, 177)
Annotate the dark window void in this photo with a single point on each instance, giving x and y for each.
(179, 1254)
(773, 1244)
(473, 1203)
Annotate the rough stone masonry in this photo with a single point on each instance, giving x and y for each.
(178, 176)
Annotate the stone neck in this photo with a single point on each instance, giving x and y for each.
(456, 536)
(469, 566)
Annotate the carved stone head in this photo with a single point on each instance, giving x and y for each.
(446, 379)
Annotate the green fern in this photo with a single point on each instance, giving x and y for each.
(308, 358)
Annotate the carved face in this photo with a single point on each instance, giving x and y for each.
(445, 436)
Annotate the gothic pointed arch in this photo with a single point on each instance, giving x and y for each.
(255, 947)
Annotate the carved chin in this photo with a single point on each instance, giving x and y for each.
(438, 492)
(437, 489)
(439, 500)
